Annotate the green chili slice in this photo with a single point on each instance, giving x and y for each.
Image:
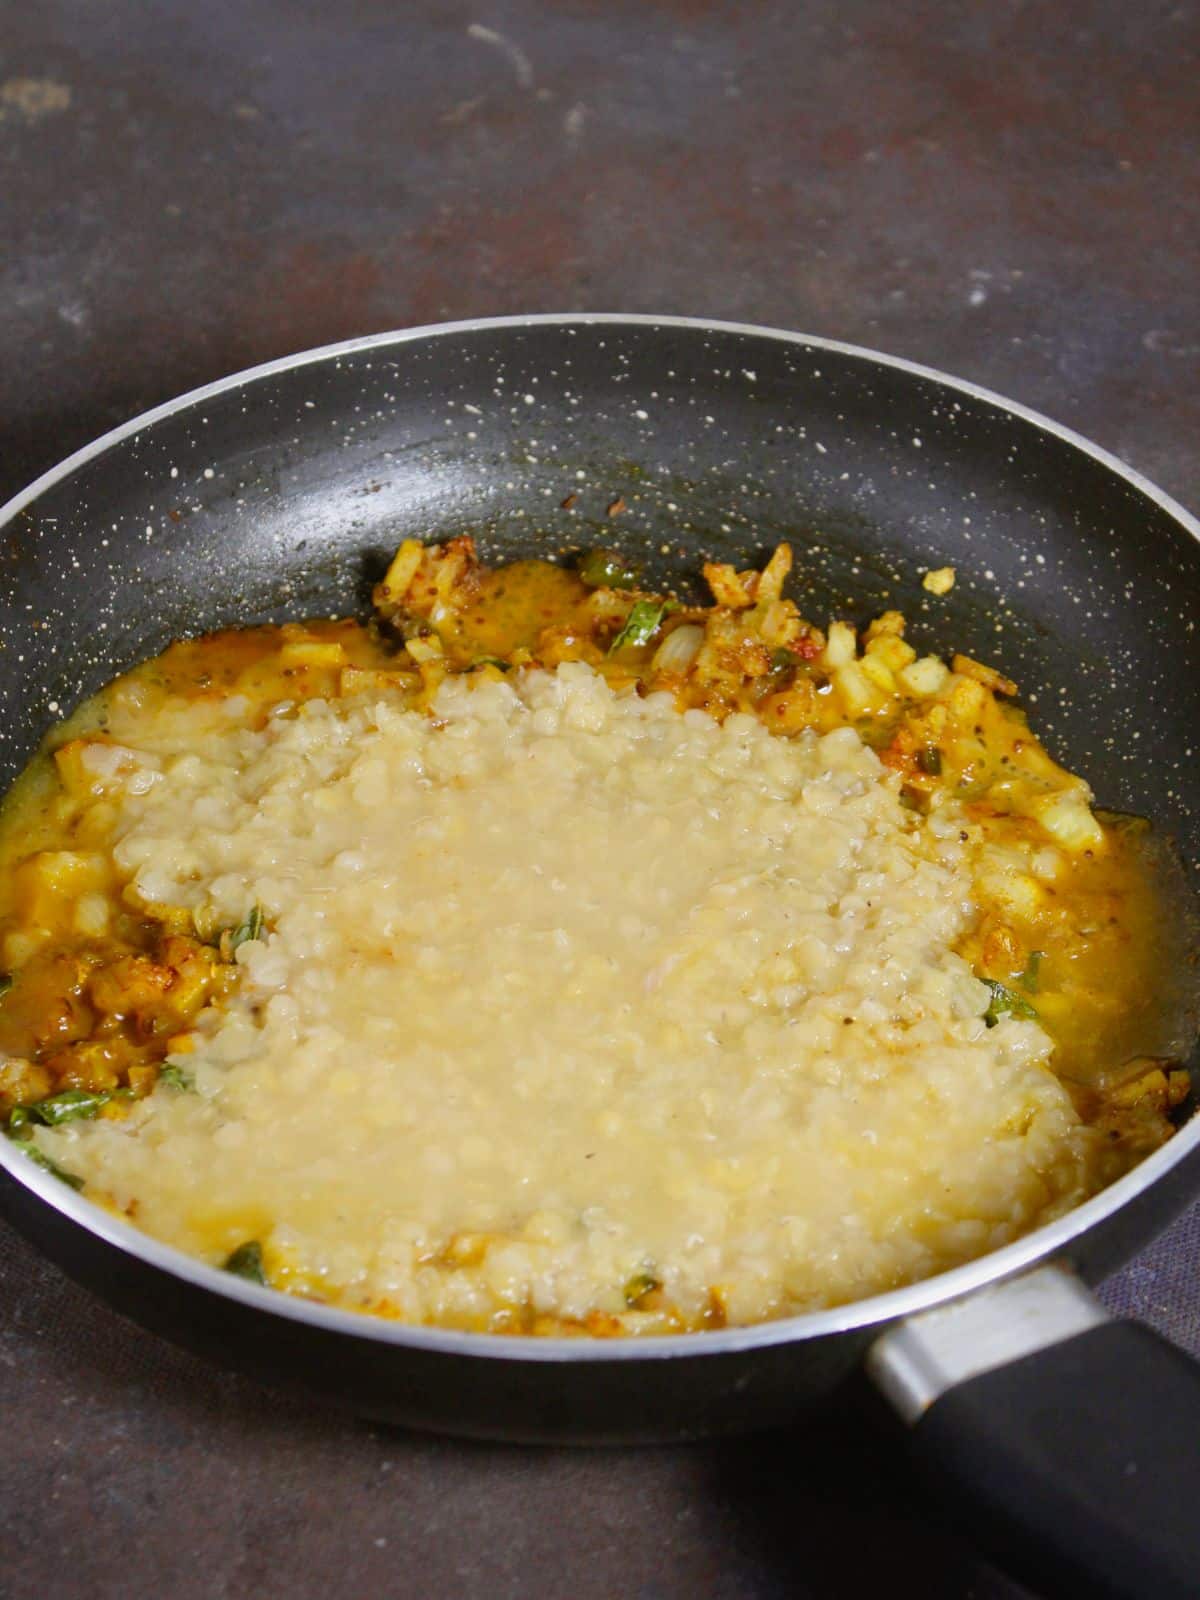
(639, 1286)
(929, 760)
(640, 625)
(247, 1262)
(607, 569)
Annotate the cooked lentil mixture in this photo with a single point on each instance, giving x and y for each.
(548, 955)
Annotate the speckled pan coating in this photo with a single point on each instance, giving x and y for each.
(280, 493)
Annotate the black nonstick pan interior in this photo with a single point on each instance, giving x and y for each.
(282, 495)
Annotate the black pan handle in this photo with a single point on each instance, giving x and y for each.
(1068, 1443)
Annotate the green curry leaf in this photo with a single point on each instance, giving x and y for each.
(176, 1077)
(41, 1159)
(245, 931)
(1006, 1002)
(72, 1105)
(1031, 977)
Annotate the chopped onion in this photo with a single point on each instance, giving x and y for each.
(679, 649)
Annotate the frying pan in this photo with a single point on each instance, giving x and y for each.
(280, 493)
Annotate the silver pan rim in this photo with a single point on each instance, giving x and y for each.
(874, 1312)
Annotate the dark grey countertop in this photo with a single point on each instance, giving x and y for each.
(1011, 192)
